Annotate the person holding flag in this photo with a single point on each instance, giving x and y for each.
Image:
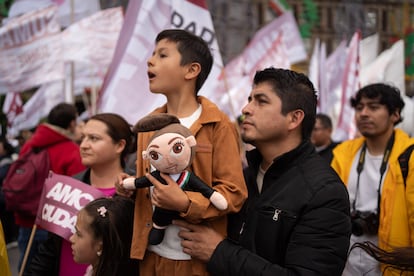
(106, 141)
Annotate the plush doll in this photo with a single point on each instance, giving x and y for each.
(171, 150)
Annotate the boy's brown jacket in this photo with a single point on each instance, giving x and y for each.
(217, 162)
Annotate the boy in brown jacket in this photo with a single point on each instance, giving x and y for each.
(177, 69)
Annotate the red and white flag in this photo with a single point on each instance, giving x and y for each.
(126, 89)
(12, 107)
(346, 128)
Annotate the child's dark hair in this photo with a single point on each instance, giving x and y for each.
(192, 49)
(295, 91)
(388, 95)
(112, 222)
(118, 129)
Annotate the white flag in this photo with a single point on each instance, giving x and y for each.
(346, 128)
(93, 39)
(126, 90)
(334, 73)
(388, 67)
(262, 52)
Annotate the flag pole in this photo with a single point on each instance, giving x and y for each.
(28, 247)
(72, 63)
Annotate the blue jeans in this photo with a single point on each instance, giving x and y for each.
(23, 240)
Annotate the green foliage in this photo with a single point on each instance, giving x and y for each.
(4, 7)
(409, 53)
(308, 18)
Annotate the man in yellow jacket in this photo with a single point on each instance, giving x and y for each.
(382, 203)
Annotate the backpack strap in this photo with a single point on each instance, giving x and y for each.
(403, 160)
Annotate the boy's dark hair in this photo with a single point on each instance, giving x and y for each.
(325, 120)
(295, 91)
(62, 115)
(388, 95)
(192, 49)
(118, 129)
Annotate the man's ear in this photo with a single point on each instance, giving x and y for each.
(193, 70)
(395, 116)
(295, 118)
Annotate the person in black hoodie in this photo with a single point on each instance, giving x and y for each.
(296, 219)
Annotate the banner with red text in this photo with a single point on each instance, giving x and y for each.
(126, 89)
(30, 51)
(62, 198)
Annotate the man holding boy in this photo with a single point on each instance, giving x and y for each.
(296, 218)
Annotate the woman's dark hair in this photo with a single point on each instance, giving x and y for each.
(118, 129)
(399, 258)
(114, 227)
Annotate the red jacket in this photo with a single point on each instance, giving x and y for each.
(63, 153)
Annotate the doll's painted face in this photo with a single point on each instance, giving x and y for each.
(170, 152)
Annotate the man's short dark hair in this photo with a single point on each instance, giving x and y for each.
(62, 115)
(192, 49)
(388, 95)
(325, 120)
(295, 91)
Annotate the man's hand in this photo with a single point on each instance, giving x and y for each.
(120, 190)
(169, 196)
(198, 241)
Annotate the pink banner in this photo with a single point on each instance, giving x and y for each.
(61, 200)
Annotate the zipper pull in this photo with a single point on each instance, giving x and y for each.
(276, 214)
(241, 229)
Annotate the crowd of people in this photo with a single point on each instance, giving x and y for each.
(298, 203)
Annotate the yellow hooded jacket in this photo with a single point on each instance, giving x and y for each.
(396, 227)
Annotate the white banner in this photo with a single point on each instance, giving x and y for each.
(30, 51)
(93, 39)
(126, 88)
(69, 11)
